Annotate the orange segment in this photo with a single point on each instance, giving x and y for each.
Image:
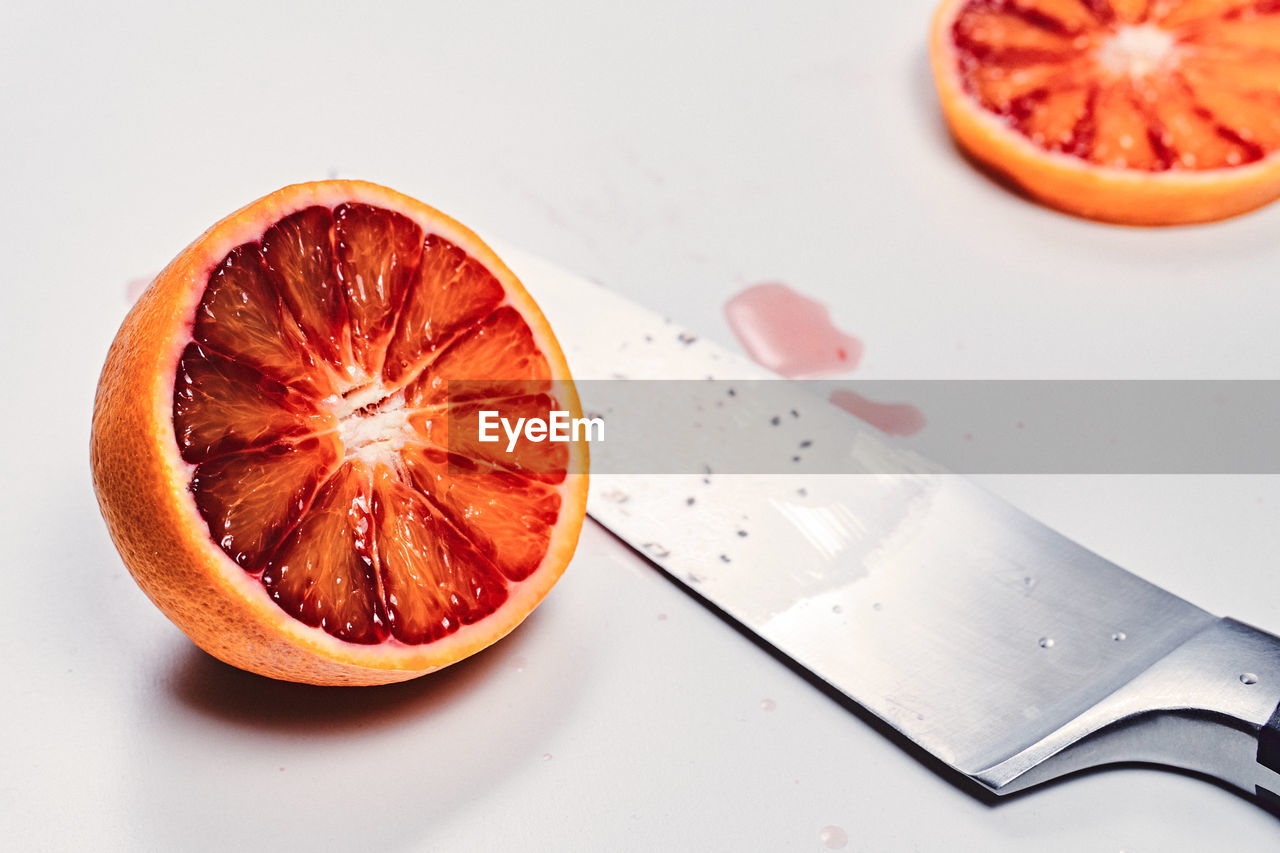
(1259, 78)
(378, 252)
(1009, 35)
(242, 317)
(1122, 110)
(221, 406)
(1184, 13)
(456, 428)
(508, 517)
(299, 251)
(1131, 11)
(263, 440)
(323, 573)
(1060, 120)
(435, 579)
(1012, 91)
(499, 351)
(1124, 136)
(1193, 136)
(251, 499)
(1257, 115)
(452, 293)
(1074, 16)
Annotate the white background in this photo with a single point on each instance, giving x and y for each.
(675, 153)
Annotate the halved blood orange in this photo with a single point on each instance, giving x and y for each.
(271, 444)
(1145, 112)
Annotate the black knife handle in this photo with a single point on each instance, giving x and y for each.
(1269, 757)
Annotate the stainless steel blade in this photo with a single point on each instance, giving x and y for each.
(980, 634)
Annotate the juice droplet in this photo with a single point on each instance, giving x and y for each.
(1046, 642)
(1248, 678)
(901, 419)
(546, 756)
(833, 837)
(767, 704)
(789, 333)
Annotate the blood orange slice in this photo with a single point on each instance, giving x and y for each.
(271, 440)
(1146, 112)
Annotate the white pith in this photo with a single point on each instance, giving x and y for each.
(1138, 51)
(373, 424)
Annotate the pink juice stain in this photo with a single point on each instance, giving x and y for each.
(793, 335)
(789, 333)
(902, 419)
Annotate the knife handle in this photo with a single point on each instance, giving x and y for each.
(1269, 758)
(1210, 706)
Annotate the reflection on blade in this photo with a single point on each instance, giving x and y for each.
(966, 625)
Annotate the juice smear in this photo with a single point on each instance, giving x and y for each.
(901, 419)
(789, 333)
(793, 335)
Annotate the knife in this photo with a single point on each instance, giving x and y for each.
(1006, 651)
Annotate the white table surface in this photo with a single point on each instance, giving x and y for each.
(677, 153)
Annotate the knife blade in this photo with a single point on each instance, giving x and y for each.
(1008, 652)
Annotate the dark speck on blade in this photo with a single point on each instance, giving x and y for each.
(655, 549)
(688, 501)
(775, 420)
